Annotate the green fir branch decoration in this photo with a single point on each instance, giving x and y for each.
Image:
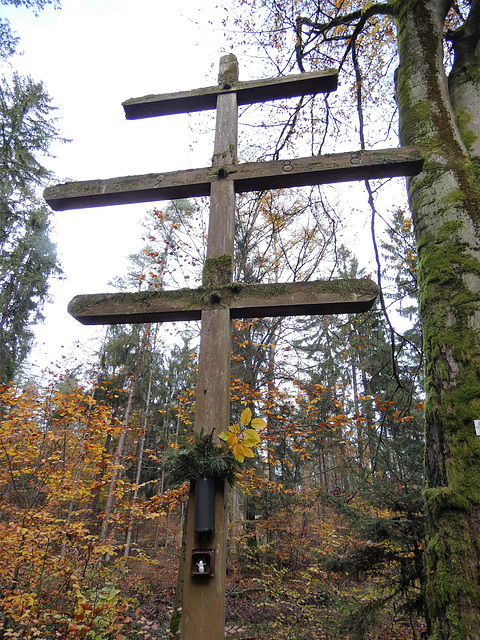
(204, 459)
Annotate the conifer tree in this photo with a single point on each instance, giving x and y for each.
(27, 254)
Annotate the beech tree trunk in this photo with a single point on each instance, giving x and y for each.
(118, 457)
(138, 470)
(442, 116)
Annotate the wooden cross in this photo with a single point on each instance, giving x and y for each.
(219, 299)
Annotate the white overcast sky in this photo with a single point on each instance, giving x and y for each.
(92, 55)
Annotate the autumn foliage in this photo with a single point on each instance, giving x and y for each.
(55, 467)
(299, 558)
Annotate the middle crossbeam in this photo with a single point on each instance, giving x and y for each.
(249, 176)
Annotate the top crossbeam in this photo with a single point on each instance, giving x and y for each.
(250, 92)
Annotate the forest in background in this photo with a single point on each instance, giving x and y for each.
(326, 519)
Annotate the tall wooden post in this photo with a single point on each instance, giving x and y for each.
(203, 603)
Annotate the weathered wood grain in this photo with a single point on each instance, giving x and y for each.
(318, 297)
(249, 92)
(249, 176)
(203, 608)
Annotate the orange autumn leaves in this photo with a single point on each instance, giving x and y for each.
(243, 436)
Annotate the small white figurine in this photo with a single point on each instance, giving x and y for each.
(201, 566)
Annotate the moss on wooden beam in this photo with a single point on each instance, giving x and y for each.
(319, 297)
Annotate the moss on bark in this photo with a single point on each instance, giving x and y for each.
(445, 205)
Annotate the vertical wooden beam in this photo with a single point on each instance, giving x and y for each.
(203, 608)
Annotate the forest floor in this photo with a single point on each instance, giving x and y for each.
(252, 612)
(248, 615)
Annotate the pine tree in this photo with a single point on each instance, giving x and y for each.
(27, 255)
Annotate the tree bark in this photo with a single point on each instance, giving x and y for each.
(138, 470)
(463, 81)
(445, 206)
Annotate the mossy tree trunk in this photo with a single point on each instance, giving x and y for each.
(441, 115)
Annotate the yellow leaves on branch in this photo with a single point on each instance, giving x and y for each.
(55, 465)
(243, 437)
